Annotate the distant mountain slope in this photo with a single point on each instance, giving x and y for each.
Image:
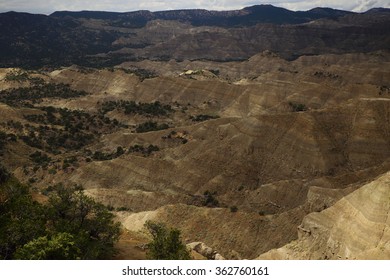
(106, 39)
(246, 17)
(28, 40)
(378, 10)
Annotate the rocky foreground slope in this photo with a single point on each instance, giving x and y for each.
(356, 227)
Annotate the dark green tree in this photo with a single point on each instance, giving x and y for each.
(4, 174)
(89, 222)
(21, 218)
(69, 226)
(166, 243)
(61, 246)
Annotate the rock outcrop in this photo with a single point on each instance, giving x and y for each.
(204, 250)
(356, 227)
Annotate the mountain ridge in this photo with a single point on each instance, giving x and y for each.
(106, 39)
(247, 16)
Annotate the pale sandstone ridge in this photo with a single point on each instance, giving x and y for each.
(136, 221)
(356, 227)
(234, 235)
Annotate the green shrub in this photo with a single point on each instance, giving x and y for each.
(60, 246)
(17, 76)
(35, 93)
(150, 126)
(145, 151)
(123, 208)
(153, 109)
(52, 171)
(40, 159)
(4, 174)
(166, 243)
(261, 213)
(69, 226)
(101, 156)
(92, 225)
(297, 107)
(32, 180)
(21, 218)
(141, 73)
(210, 200)
(202, 118)
(119, 151)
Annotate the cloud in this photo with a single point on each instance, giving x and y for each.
(356, 5)
(49, 6)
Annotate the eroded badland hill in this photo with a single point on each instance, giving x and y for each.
(229, 133)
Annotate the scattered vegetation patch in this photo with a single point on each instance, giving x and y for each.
(4, 174)
(140, 149)
(6, 138)
(69, 161)
(182, 136)
(48, 190)
(384, 90)
(202, 118)
(17, 76)
(35, 93)
(63, 128)
(150, 126)
(321, 74)
(146, 151)
(210, 200)
(22, 76)
(297, 107)
(155, 109)
(85, 70)
(216, 72)
(40, 159)
(101, 156)
(74, 120)
(141, 73)
(123, 208)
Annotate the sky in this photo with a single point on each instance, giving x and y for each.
(49, 6)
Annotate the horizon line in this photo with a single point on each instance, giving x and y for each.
(187, 9)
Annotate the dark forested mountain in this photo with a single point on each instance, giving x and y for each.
(246, 17)
(106, 38)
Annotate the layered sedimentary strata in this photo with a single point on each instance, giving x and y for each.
(356, 227)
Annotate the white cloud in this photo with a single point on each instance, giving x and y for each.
(49, 6)
(356, 5)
